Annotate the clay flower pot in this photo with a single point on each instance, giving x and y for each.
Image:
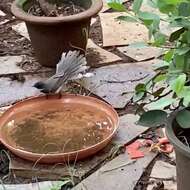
(182, 153)
(50, 36)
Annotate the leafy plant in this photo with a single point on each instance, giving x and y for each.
(169, 89)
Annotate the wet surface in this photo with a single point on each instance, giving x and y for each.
(70, 128)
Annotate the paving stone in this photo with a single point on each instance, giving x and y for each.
(141, 54)
(12, 90)
(116, 33)
(163, 170)
(2, 13)
(170, 185)
(127, 131)
(21, 29)
(106, 7)
(96, 56)
(47, 185)
(116, 83)
(8, 65)
(120, 173)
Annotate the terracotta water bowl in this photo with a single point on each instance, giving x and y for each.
(54, 129)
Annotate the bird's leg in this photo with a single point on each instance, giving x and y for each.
(47, 96)
(60, 95)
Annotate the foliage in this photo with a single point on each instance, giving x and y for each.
(169, 88)
(21, 3)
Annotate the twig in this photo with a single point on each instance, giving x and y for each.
(118, 167)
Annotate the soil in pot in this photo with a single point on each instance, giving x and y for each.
(184, 136)
(45, 8)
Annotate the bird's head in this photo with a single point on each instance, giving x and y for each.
(39, 85)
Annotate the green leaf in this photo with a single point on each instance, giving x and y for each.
(160, 78)
(182, 51)
(183, 118)
(127, 18)
(21, 3)
(178, 84)
(148, 16)
(161, 65)
(184, 9)
(176, 35)
(185, 94)
(140, 87)
(138, 96)
(117, 5)
(159, 39)
(137, 5)
(153, 118)
(160, 104)
(169, 55)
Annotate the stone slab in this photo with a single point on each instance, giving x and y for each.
(141, 54)
(21, 29)
(128, 131)
(117, 33)
(116, 83)
(13, 90)
(46, 185)
(96, 56)
(120, 173)
(163, 170)
(8, 65)
(2, 13)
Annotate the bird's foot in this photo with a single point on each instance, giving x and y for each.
(59, 95)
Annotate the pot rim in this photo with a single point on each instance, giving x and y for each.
(36, 156)
(92, 11)
(172, 137)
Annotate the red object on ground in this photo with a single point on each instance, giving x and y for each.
(163, 145)
(133, 150)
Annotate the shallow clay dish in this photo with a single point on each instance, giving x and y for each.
(88, 123)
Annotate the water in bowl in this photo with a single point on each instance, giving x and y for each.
(59, 131)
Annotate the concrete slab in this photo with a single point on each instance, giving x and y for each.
(96, 56)
(21, 29)
(14, 90)
(2, 13)
(9, 65)
(116, 83)
(141, 54)
(120, 173)
(116, 33)
(163, 170)
(31, 186)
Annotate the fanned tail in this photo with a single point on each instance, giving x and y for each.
(71, 65)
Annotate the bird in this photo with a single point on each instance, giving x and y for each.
(71, 66)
